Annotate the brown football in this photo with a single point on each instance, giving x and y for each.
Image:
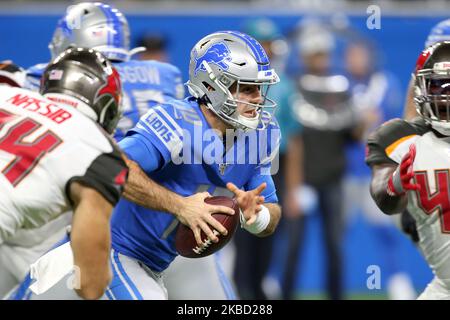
(185, 241)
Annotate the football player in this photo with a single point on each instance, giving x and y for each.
(172, 172)
(440, 32)
(52, 158)
(409, 161)
(229, 73)
(145, 83)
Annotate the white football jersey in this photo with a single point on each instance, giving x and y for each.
(430, 206)
(43, 147)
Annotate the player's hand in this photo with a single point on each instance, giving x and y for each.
(401, 179)
(249, 201)
(197, 215)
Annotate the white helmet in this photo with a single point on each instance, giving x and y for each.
(222, 59)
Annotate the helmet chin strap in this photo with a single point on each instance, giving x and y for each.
(250, 123)
(442, 128)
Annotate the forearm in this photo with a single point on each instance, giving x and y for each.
(143, 191)
(275, 214)
(91, 244)
(378, 188)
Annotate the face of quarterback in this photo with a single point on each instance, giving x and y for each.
(248, 94)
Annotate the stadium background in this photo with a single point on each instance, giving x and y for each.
(26, 29)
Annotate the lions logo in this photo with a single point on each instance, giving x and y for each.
(218, 53)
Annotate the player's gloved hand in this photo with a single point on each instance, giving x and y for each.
(197, 215)
(249, 201)
(408, 224)
(401, 179)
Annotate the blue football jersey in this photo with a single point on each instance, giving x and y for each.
(144, 84)
(193, 158)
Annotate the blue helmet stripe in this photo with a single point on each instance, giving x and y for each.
(62, 24)
(256, 48)
(118, 37)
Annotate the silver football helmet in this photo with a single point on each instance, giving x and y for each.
(93, 25)
(222, 60)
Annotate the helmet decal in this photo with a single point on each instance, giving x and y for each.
(112, 86)
(218, 53)
(257, 49)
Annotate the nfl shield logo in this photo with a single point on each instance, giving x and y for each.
(222, 168)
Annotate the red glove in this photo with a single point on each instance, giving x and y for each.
(401, 179)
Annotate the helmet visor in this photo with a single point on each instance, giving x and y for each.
(434, 98)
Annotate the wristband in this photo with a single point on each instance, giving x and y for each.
(261, 222)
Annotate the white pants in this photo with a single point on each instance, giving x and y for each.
(435, 290)
(185, 279)
(132, 280)
(25, 247)
(201, 279)
(198, 279)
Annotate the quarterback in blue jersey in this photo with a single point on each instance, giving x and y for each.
(221, 140)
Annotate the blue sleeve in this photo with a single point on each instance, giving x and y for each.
(142, 151)
(159, 128)
(269, 193)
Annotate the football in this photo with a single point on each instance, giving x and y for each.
(185, 241)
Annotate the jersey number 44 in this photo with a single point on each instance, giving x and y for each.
(27, 154)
